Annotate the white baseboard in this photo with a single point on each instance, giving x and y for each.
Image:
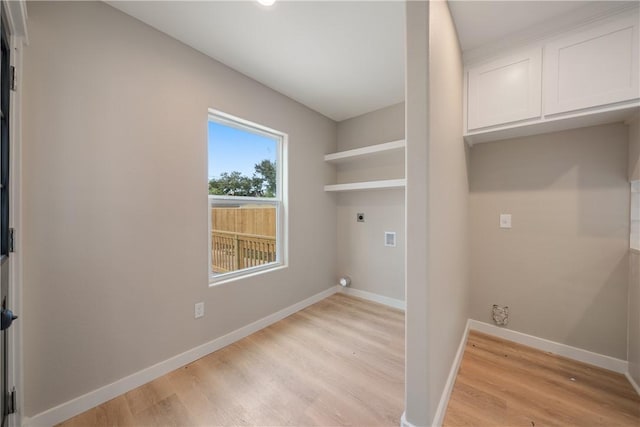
(441, 410)
(85, 402)
(633, 382)
(438, 418)
(391, 302)
(586, 356)
(404, 422)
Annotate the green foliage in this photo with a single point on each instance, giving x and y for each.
(261, 184)
(266, 173)
(231, 184)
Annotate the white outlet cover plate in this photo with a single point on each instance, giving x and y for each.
(505, 220)
(390, 238)
(199, 310)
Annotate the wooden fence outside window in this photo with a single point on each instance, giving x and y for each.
(242, 237)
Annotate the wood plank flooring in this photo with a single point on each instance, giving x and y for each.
(337, 362)
(341, 362)
(501, 383)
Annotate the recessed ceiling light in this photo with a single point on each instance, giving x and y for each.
(266, 2)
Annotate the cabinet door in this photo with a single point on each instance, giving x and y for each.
(505, 90)
(592, 67)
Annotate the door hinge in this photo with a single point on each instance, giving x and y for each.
(11, 402)
(12, 76)
(12, 238)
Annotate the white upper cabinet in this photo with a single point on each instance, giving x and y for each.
(505, 90)
(585, 76)
(592, 67)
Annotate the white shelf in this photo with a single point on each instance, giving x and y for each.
(365, 152)
(367, 185)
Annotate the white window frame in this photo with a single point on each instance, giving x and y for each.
(280, 201)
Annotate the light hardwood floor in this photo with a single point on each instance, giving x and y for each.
(338, 362)
(501, 383)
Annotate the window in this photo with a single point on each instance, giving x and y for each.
(247, 198)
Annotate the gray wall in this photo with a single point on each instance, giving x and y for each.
(417, 155)
(361, 251)
(633, 352)
(437, 196)
(376, 127)
(633, 165)
(448, 194)
(633, 355)
(563, 267)
(115, 200)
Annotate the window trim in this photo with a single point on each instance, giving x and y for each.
(280, 202)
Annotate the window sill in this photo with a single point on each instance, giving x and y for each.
(244, 274)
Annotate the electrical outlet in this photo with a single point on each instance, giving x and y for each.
(199, 310)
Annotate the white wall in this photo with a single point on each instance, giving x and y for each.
(563, 267)
(361, 251)
(115, 200)
(437, 269)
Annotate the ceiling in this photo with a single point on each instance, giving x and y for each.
(340, 58)
(482, 22)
